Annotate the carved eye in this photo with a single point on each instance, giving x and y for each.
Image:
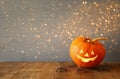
(92, 53)
(81, 52)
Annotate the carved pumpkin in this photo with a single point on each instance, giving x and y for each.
(87, 52)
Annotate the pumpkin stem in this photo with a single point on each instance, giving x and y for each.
(101, 38)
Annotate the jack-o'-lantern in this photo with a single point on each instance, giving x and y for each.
(87, 52)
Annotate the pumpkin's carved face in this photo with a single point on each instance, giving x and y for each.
(86, 57)
(86, 53)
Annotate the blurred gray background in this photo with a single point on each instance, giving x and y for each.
(42, 30)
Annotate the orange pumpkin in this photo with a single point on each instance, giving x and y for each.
(87, 52)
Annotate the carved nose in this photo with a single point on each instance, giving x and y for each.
(86, 55)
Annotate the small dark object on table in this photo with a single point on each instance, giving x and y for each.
(61, 69)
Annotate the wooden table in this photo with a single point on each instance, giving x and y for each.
(57, 70)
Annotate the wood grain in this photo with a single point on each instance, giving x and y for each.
(58, 70)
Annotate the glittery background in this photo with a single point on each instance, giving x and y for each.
(42, 30)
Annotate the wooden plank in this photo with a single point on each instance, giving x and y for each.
(58, 70)
(7, 70)
(37, 71)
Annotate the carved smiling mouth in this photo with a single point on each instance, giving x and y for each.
(86, 59)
